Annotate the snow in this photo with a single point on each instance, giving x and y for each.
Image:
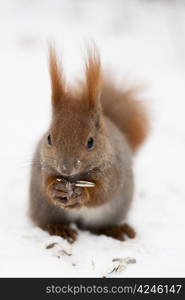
(143, 42)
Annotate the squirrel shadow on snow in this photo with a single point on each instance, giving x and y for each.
(94, 133)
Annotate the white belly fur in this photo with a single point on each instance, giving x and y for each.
(93, 217)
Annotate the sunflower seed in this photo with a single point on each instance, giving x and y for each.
(83, 183)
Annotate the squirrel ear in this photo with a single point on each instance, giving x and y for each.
(93, 77)
(57, 78)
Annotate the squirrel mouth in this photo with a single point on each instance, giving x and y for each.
(81, 177)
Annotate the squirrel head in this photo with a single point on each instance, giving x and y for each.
(76, 141)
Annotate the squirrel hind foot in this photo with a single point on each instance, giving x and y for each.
(62, 230)
(117, 232)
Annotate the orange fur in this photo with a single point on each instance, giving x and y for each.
(127, 112)
(93, 77)
(57, 77)
(122, 107)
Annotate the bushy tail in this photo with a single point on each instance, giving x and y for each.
(126, 111)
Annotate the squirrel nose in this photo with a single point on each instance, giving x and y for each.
(68, 168)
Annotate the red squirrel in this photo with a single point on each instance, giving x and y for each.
(82, 168)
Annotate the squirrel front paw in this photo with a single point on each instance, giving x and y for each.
(66, 194)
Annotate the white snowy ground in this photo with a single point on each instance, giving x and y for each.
(143, 41)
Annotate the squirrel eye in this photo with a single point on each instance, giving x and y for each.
(90, 143)
(49, 140)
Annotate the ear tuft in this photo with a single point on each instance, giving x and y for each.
(57, 77)
(93, 76)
